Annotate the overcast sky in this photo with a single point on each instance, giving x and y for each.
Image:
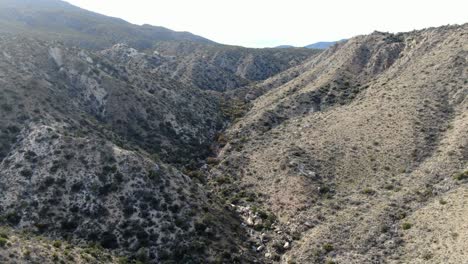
(267, 23)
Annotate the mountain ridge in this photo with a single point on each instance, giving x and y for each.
(79, 27)
(178, 151)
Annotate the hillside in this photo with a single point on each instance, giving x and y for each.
(58, 20)
(187, 58)
(358, 152)
(137, 144)
(86, 141)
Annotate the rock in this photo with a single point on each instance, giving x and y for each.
(250, 221)
(264, 237)
(56, 54)
(258, 221)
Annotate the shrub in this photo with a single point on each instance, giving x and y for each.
(223, 180)
(324, 190)
(3, 235)
(3, 242)
(7, 108)
(57, 244)
(328, 247)
(155, 176)
(212, 161)
(384, 229)
(368, 191)
(109, 169)
(26, 173)
(461, 176)
(406, 226)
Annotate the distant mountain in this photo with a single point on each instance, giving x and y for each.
(284, 47)
(317, 45)
(59, 20)
(322, 44)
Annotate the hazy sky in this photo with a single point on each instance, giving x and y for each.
(266, 23)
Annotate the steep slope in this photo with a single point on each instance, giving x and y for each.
(112, 197)
(58, 20)
(121, 100)
(85, 142)
(351, 149)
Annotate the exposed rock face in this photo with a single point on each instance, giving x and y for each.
(345, 147)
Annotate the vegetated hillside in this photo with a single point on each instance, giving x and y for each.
(223, 67)
(24, 247)
(58, 20)
(85, 146)
(126, 101)
(360, 155)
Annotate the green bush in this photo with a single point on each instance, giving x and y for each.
(328, 247)
(461, 176)
(57, 244)
(3, 242)
(212, 161)
(26, 173)
(3, 235)
(368, 191)
(223, 180)
(406, 226)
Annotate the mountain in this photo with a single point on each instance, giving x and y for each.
(103, 143)
(223, 67)
(284, 47)
(181, 55)
(58, 20)
(187, 151)
(318, 45)
(93, 147)
(360, 153)
(323, 44)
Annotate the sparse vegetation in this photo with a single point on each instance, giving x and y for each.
(406, 226)
(328, 247)
(461, 176)
(3, 242)
(321, 160)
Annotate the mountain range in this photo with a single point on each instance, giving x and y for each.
(318, 45)
(138, 144)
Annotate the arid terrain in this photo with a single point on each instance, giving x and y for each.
(146, 145)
